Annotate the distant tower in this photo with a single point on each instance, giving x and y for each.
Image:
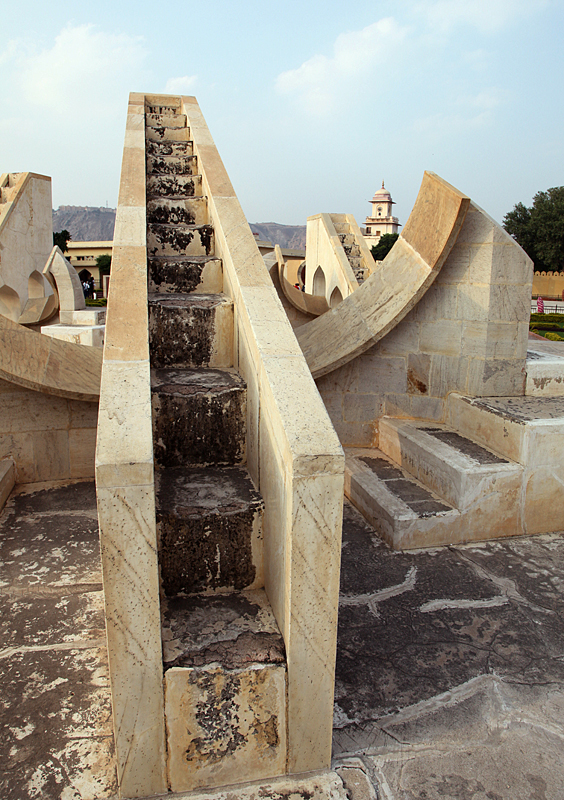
(381, 221)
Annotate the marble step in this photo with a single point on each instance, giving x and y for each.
(341, 227)
(172, 165)
(176, 240)
(528, 430)
(225, 695)
(346, 239)
(202, 274)
(467, 475)
(209, 524)
(199, 417)
(233, 629)
(159, 133)
(166, 120)
(169, 148)
(404, 512)
(178, 211)
(190, 330)
(183, 186)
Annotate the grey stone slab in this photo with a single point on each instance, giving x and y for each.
(450, 666)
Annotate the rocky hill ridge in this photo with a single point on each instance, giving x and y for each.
(93, 224)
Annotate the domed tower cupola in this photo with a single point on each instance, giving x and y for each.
(382, 203)
(381, 220)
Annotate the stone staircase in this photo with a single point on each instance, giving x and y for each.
(351, 247)
(492, 470)
(220, 638)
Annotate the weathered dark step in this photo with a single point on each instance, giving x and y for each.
(160, 133)
(174, 186)
(172, 165)
(199, 417)
(234, 629)
(169, 148)
(465, 446)
(190, 330)
(172, 240)
(415, 496)
(185, 274)
(191, 211)
(209, 525)
(166, 120)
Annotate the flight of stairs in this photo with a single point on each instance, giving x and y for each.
(220, 638)
(471, 479)
(350, 246)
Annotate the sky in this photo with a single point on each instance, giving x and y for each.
(311, 104)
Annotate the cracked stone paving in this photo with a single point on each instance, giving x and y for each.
(450, 663)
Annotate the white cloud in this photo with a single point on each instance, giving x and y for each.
(83, 70)
(321, 80)
(487, 16)
(180, 85)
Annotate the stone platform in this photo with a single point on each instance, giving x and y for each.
(450, 667)
(57, 740)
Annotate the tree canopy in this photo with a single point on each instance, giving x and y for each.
(61, 239)
(381, 250)
(540, 229)
(104, 264)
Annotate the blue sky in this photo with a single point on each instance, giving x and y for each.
(311, 104)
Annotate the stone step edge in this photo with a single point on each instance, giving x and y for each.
(399, 526)
(440, 466)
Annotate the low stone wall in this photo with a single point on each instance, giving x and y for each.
(49, 438)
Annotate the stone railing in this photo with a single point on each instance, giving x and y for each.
(295, 459)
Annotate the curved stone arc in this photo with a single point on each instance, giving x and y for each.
(306, 303)
(48, 365)
(395, 287)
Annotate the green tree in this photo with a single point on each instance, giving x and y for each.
(540, 229)
(381, 250)
(61, 239)
(104, 264)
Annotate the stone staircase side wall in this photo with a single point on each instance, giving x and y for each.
(295, 459)
(324, 249)
(126, 493)
(467, 334)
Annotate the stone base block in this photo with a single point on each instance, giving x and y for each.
(91, 336)
(225, 726)
(87, 316)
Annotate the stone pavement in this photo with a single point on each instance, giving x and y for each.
(450, 667)
(57, 739)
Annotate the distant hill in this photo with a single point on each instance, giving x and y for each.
(85, 223)
(92, 224)
(291, 236)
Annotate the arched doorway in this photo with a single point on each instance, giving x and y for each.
(336, 297)
(319, 283)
